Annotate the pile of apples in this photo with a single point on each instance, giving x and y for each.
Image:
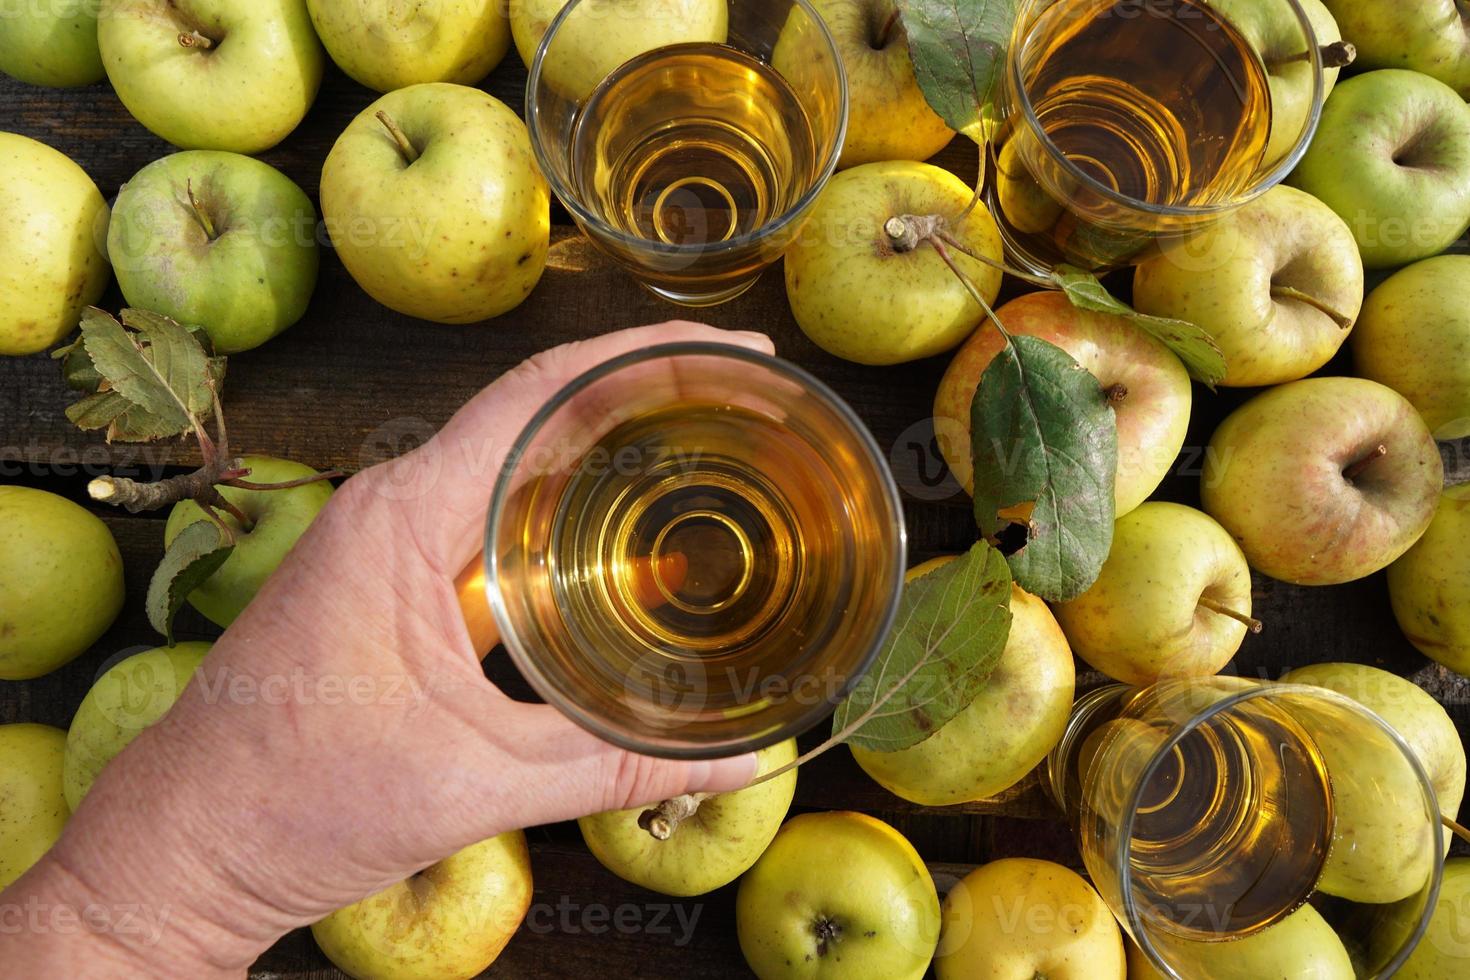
(434, 203)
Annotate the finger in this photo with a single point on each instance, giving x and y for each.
(461, 463)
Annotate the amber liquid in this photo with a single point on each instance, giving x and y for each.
(693, 144)
(1162, 103)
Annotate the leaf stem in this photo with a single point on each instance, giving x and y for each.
(405, 146)
(979, 181)
(953, 242)
(1254, 625)
(242, 484)
(224, 529)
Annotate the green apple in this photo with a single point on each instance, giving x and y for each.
(1172, 600)
(129, 697)
(1324, 480)
(61, 582)
(51, 43)
(708, 850)
(857, 297)
(1010, 726)
(213, 74)
(52, 262)
(219, 240)
(838, 894)
(1023, 919)
(1414, 336)
(445, 216)
(1430, 585)
(278, 518)
(1445, 949)
(1301, 946)
(888, 117)
(1411, 712)
(448, 922)
(1392, 158)
(1277, 283)
(33, 809)
(1154, 394)
(600, 35)
(387, 44)
(1429, 36)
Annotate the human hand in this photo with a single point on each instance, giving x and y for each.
(247, 817)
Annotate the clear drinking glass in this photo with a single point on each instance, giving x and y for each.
(1127, 121)
(691, 151)
(694, 550)
(1210, 809)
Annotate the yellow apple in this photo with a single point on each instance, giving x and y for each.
(1444, 952)
(1010, 726)
(387, 44)
(33, 808)
(1153, 413)
(52, 263)
(448, 922)
(1300, 947)
(1430, 584)
(1021, 919)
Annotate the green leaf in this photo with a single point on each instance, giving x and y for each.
(180, 365)
(121, 418)
(952, 626)
(195, 555)
(1044, 438)
(79, 373)
(959, 49)
(1192, 344)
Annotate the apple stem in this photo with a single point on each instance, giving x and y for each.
(200, 213)
(1115, 393)
(886, 31)
(1287, 292)
(1457, 829)
(1355, 469)
(243, 484)
(1338, 54)
(1254, 625)
(404, 146)
(661, 821)
(193, 39)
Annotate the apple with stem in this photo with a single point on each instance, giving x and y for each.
(34, 811)
(52, 43)
(1173, 599)
(436, 205)
(213, 74)
(216, 239)
(1147, 386)
(1277, 284)
(387, 45)
(1323, 480)
(1429, 36)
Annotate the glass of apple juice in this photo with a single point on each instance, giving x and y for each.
(694, 550)
(1230, 822)
(690, 150)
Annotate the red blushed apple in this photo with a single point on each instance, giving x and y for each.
(1148, 384)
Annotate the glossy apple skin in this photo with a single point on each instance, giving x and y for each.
(247, 282)
(1430, 585)
(1274, 477)
(1222, 276)
(718, 844)
(459, 41)
(449, 922)
(53, 263)
(61, 582)
(1302, 947)
(1414, 336)
(246, 93)
(1428, 36)
(52, 44)
(458, 236)
(1018, 918)
(852, 871)
(857, 298)
(1141, 621)
(1392, 158)
(1153, 417)
(132, 695)
(280, 517)
(1005, 732)
(34, 811)
(1444, 951)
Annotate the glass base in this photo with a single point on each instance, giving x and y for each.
(697, 300)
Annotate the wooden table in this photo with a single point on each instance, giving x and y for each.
(355, 383)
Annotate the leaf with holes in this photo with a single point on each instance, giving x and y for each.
(959, 48)
(1045, 445)
(195, 555)
(1191, 344)
(952, 626)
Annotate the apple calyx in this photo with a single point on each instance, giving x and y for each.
(199, 212)
(1254, 625)
(828, 932)
(405, 146)
(661, 821)
(1355, 469)
(1115, 393)
(1289, 292)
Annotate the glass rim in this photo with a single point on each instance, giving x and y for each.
(1269, 689)
(584, 216)
(1259, 185)
(514, 643)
